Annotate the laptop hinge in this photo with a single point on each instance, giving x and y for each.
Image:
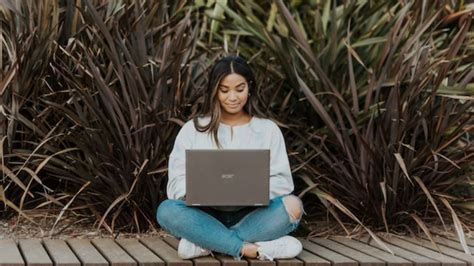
(258, 204)
(196, 204)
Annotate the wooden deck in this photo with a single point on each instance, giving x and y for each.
(337, 251)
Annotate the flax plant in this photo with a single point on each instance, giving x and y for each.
(374, 98)
(108, 87)
(377, 101)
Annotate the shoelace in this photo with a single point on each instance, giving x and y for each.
(263, 256)
(203, 251)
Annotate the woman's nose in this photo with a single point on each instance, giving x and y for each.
(232, 95)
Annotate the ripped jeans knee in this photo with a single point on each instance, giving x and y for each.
(294, 208)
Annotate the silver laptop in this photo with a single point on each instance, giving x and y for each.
(230, 177)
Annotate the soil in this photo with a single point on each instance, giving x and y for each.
(73, 225)
(70, 225)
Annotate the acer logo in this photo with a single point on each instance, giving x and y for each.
(227, 176)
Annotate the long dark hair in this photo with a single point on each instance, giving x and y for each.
(211, 106)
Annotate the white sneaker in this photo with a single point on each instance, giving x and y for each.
(282, 248)
(189, 250)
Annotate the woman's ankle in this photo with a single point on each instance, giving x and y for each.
(249, 250)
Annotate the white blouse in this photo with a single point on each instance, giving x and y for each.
(259, 133)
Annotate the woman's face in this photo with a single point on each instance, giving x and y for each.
(233, 92)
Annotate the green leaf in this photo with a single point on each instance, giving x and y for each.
(369, 41)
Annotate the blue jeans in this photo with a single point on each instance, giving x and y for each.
(226, 231)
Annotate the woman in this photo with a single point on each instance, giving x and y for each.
(230, 119)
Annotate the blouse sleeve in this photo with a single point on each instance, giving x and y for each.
(176, 187)
(281, 180)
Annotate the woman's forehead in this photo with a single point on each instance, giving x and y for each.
(232, 79)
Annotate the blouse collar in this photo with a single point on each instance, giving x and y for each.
(255, 123)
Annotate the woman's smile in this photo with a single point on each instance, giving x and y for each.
(233, 94)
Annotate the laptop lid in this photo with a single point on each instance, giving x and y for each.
(230, 177)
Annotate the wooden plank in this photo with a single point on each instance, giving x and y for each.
(445, 260)
(206, 261)
(60, 253)
(449, 243)
(362, 258)
(34, 253)
(417, 259)
(257, 262)
(227, 260)
(165, 252)
(200, 261)
(140, 253)
(311, 259)
(445, 250)
(289, 262)
(86, 252)
(113, 252)
(390, 259)
(469, 241)
(10, 254)
(335, 258)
